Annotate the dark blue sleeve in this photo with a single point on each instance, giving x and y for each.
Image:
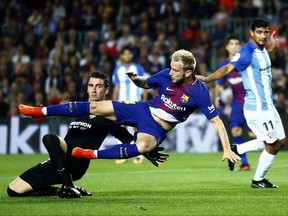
(155, 80)
(205, 104)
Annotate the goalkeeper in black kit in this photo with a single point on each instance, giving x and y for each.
(87, 132)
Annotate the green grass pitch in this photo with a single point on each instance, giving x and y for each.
(187, 184)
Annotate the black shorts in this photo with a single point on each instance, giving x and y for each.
(45, 174)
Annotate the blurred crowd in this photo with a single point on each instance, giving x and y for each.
(48, 48)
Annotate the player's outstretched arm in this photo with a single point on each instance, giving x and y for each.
(139, 81)
(221, 72)
(227, 152)
(156, 157)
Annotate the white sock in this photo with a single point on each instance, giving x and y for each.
(96, 153)
(44, 110)
(252, 145)
(265, 161)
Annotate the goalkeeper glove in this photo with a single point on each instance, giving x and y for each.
(156, 157)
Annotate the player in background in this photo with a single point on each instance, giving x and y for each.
(180, 94)
(253, 63)
(236, 118)
(124, 89)
(87, 131)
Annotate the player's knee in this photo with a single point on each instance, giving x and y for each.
(275, 148)
(145, 147)
(94, 107)
(236, 131)
(12, 193)
(282, 142)
(145, 142)
(49, 139)
(77, 176)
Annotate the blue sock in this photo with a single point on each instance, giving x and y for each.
(120, 151)
(239, 140)
(71, 109)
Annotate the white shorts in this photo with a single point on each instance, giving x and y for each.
(266, 125)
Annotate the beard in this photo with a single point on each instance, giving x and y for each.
(180, 81)
(262, 43)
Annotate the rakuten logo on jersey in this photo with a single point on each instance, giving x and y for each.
(170, 104)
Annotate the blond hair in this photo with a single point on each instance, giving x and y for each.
(186, 57)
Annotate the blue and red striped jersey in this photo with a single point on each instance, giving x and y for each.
(180, 101)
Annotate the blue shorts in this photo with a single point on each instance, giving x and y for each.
(137, 114)
(237, 118)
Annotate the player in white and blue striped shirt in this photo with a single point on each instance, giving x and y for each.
(124, 89)
(253, 63)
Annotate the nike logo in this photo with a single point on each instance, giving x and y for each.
(169, 89)
(92, 116)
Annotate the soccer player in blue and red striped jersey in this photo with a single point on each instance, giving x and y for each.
(180, 94)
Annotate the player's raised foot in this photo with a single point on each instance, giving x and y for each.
(83, 191)
(69, 192)
(120, 161)
(35, 112)
(231, 164)
(264, 183)
(244, 167)
(83, 153)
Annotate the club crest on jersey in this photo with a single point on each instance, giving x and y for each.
(184, 98)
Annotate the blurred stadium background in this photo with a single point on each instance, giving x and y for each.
(48, 49)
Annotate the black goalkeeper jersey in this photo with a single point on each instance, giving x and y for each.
(90, 131)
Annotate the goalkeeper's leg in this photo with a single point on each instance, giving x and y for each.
(36, 181)
(58, 157)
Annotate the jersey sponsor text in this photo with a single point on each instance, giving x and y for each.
(170, 104)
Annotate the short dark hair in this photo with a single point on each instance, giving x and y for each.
(232, 37)
(126, 47)
(100, 75)
(259, 22)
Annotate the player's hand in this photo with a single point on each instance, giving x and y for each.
(132, 75)
(156, 157)
(273, 42)
(230, 155)
(202, 78)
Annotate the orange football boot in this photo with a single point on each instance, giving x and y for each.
(244, 167)
(83, 153)
(35, 112)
